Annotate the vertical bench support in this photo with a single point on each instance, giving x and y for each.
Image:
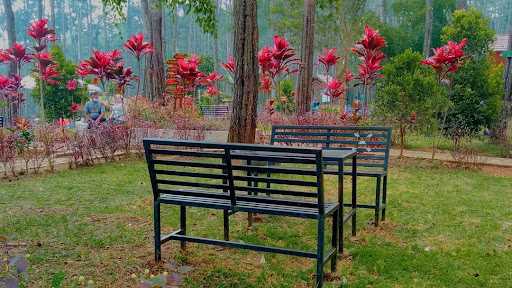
(157, 231)
(183, 225)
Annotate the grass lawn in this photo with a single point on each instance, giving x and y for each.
(480, 144)
(447, 228)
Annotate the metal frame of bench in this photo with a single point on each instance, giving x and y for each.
(372, 143)
(2, 120)
(220, 176)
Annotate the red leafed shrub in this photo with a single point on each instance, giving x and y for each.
(7, 151)
(51, 138)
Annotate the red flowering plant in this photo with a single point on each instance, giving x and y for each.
(75, 110)
(335, 88)
(139, 48)
(230, 65)
(368, 50)
(211, 83)
(106, 66)
(17, 56)
(41, 34)
(72, 85)
(275, 63)
(447, 59)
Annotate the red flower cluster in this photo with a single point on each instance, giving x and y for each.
(75, 107)
(40, 32)
(47, 67)
(189, 76)
(278, 60)
(266, 84)
(369, 52)
(16, 54)
(211, 80)
(137, 47)
(335, 88)
(447, 59)
(72, 85)
(188, 70)
(230, 65)
(62, 122)
(329, 58)
(106, 66)
(9, 85)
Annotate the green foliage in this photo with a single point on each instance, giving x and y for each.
(477, 87)
(204, 11)
(408, 87)
(285, 103)
(408, 30)
(476, 97)
(470, 24)
(207, 64)
(57, 98)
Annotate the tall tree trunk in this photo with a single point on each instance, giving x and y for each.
(383, 10)
(11, 39)
(216, 40)
(245, 47)
(305, 87)
(427, 40)
(40, 9)
(506, 112)
(154, 78)
(52, 14)
(64, 24)
(175, 37)
(11, 29)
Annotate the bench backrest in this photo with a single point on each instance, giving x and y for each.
(372, 143)
(236, 172)
(1, 121)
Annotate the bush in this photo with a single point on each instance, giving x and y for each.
(58, 98)
(409, 93)
(476, 91)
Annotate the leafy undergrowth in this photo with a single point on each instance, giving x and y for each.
(92, 227)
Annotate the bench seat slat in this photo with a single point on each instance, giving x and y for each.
(247, 206)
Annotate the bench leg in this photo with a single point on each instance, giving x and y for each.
(226, 225)
(377, 201)
(384, 197)
(335, 223)
(157, 233)
(341, 213)
(354, 195)
(183, 225)
(320, 253)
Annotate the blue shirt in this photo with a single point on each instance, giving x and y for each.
(94, 109)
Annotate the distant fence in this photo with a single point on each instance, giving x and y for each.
(215, 111)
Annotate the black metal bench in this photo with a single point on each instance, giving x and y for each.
(225, 177)
(1, 122)
(372, 144)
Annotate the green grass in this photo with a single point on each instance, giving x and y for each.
(446, 228)
(481, 145)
